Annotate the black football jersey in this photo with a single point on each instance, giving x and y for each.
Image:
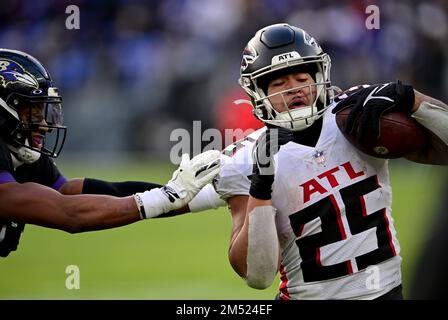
(43, 171)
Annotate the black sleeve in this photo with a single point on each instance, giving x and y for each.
(118, 189)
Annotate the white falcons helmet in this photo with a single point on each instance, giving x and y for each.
(277, 50)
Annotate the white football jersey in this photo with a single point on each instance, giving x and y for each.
(236, 167)
(334, 220)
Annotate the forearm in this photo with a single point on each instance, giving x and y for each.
(254, 251)
(37, 204)
(420, 97)
(97, 212)
(262, 244)
(433, 115)
(79, 186)
(238, 250)
(238, 238)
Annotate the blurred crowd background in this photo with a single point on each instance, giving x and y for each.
(135, 70)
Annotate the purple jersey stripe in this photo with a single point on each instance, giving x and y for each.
(61, 180)
(5, 176)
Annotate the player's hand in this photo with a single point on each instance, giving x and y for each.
(266, 147)
(191, 176)
(10, 233)
(369, 103)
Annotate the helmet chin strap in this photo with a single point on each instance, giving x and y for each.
(24, 154)
(297, 119)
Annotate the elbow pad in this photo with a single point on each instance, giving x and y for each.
(262, 248)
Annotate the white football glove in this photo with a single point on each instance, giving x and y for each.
(191, 176)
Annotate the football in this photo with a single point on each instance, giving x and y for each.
(400, 135)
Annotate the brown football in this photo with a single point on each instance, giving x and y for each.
(400, 135)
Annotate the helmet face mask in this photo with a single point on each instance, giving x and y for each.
(281, 111)
(30, 108)
(39, 123)
(279, 50)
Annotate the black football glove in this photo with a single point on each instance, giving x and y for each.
(267, 145)
(371, 102)
(10, 233)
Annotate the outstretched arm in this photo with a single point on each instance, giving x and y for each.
(78, 186)
(206, 199)
(37, 204)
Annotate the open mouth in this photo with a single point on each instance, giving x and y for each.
(37, 141)
(296, 103)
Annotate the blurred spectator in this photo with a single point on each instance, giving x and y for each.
(142, 62)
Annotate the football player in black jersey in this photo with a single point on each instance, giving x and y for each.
(32, 190)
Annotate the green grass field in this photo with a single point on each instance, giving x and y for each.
(184, 257)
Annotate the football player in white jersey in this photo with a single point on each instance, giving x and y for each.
(310, 205)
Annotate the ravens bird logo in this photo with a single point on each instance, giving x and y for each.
(12, 72)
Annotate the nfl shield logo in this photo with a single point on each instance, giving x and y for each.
(320, 158)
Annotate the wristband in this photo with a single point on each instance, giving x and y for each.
(261, 186)
(406, 98)
(152, 203)
(140, 206)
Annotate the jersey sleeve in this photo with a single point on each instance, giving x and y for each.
(236, 167)
(233, 179)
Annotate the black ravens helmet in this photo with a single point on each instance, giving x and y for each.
(30, 107)
(277, 50)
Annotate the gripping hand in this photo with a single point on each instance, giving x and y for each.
(369, 103)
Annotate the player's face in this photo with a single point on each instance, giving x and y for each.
(35, 114)
(297, 89)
